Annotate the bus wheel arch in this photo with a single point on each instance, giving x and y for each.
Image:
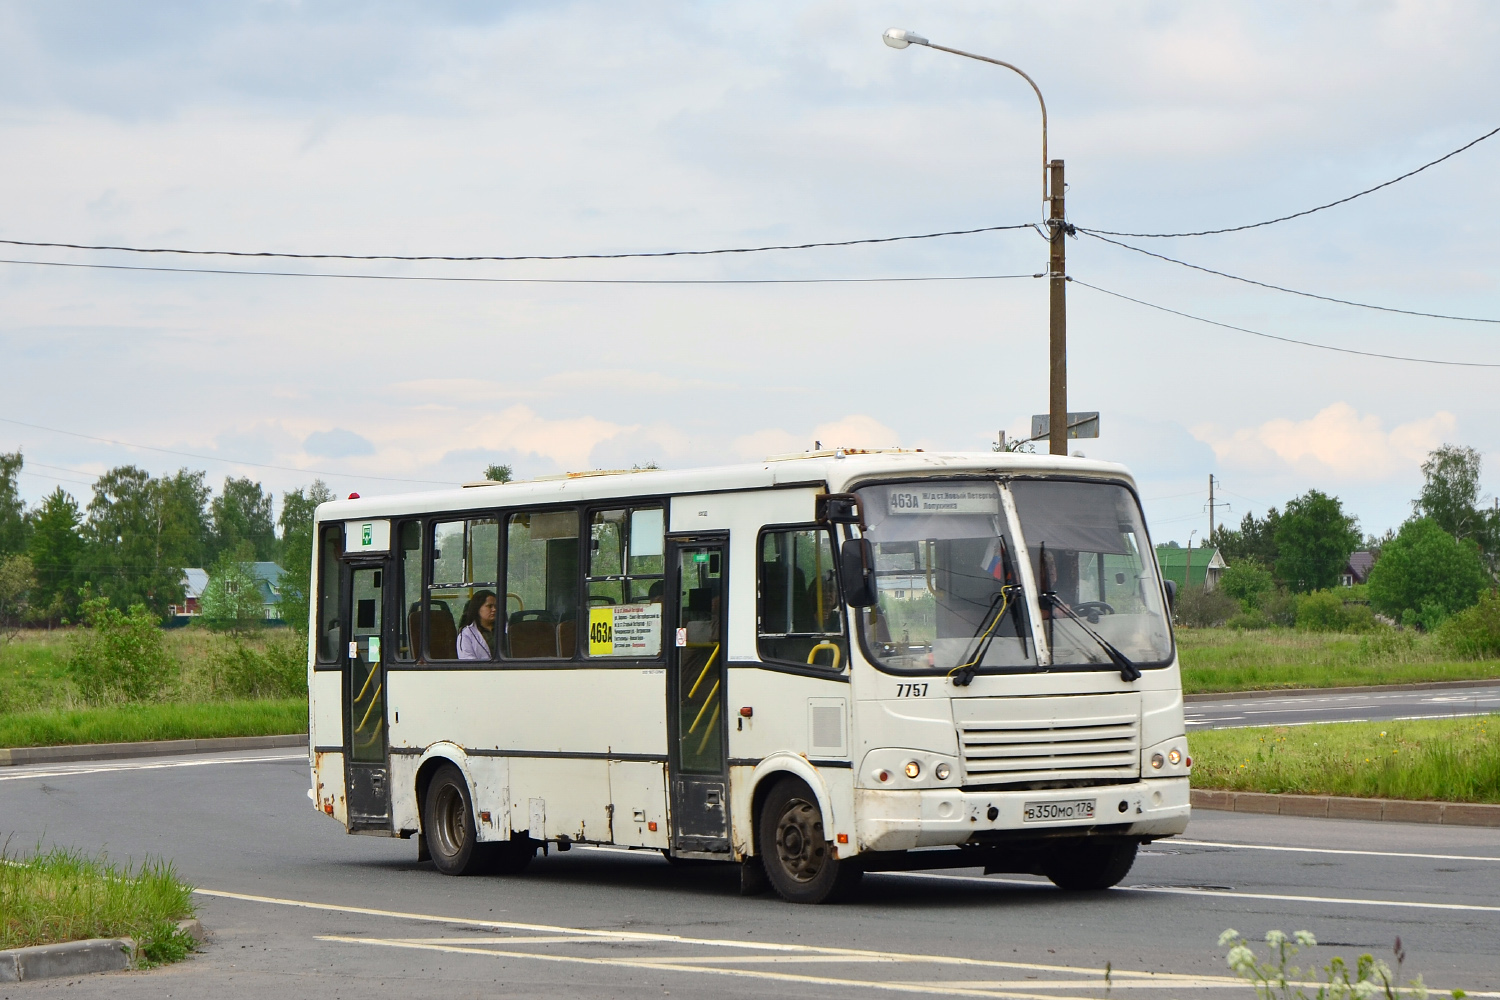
(773, 769)
(430, 762)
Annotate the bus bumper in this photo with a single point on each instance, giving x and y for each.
(939, 817)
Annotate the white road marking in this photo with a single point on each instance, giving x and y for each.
(1331, 850)
(1220, 893)
(47, 771)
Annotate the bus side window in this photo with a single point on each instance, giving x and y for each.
(801, 617)
(540, 612)
(330, 580)
(465, 578)
(626, 582)
(409, 566)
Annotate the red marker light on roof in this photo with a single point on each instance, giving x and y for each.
(354, 496)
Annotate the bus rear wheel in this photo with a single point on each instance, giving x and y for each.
(1090, 865)
(797, 857)
(448, 824)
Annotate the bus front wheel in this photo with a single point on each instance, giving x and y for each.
(1090, 865)
(448, 824)
(795, 852)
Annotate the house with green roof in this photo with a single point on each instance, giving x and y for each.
(1205, 565)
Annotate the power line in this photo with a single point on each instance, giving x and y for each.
(226, 461)
(1285, 340)
(568, 256)
(524, 281)
(1289, 291)
(1306, 211)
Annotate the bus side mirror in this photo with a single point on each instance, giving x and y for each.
(857, 572)
(1171, 596)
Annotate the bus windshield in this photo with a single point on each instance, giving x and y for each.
(951, 588)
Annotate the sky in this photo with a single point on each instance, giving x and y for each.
(584, 128)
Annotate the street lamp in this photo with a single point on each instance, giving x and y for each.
(1053, 191)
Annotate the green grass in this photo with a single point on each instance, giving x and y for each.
(166, 721)
(1448, 760)
(1222, 660)
(61, 895)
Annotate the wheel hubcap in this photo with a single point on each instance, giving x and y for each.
(800, 846)
(449, 822)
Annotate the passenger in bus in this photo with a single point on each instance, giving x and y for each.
(476, 635)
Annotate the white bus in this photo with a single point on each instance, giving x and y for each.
(814, 666)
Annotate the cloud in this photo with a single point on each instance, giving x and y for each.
(853, 431)
(1336, 439)
(337, 443)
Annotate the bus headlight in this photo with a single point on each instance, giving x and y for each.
(913, 770)
(1156, 761)
(942, 771)
(1174, 756)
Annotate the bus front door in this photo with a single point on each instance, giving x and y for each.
(367, 780)
(699, 759)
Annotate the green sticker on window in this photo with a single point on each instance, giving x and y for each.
(367, 535)
(700, 557)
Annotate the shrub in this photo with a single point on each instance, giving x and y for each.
(1326, 611)
(1474, 633)
(1280, 607)
(1252, 619)
(1247, 581)
(280, 671)
(119, 656)
(1204, 609)
(1385, 644)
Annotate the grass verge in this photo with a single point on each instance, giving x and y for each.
(1228, 660)
(62, 895)
(134, 723)
(1447, 760)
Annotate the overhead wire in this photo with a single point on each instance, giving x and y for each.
(1284, 340)
(516, 257)
(1306, 211)
(220, 458)
(522, 281)
(1290, 291)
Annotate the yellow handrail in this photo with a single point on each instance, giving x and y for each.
(708, 730)
(374, 700)
(704, 674)
(708, 700)
(837, 653)
(519, 603)
(374, 669)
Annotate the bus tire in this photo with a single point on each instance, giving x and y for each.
(796, 856)
(1090, 865)
(448, 824)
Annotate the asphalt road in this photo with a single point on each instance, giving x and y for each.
(298, 909)
(1344, 706)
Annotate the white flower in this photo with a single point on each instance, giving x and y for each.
(1275, 939)
(1305, 939)
(1364, 990)
(1240, 958)
(1228, 936)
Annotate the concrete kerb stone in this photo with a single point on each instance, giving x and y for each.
(1340, 807)
(79, 958)
(156, 748)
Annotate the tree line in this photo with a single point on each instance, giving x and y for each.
(1436, 564)
(137, 534)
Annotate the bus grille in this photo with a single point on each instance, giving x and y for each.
(1079, 739)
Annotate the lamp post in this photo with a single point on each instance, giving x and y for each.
(1053, 191)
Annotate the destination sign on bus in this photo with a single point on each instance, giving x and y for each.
(956, 500)
(625, 630)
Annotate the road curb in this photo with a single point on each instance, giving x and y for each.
(1341, 807)
(155, 748)
(1360, 689)
(78, 958)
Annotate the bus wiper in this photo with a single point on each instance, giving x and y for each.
(963, 674)
(1128, 670)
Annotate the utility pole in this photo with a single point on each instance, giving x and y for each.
(1210, 507)
(1057, 271)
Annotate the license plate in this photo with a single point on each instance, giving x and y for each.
(1042, 812)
